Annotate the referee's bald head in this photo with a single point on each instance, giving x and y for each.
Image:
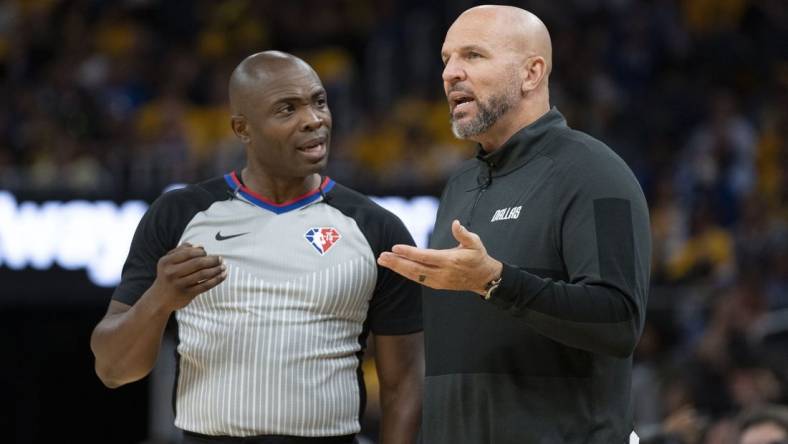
(255, 72)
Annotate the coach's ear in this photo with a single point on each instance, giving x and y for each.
(533, 71)
(238, 123)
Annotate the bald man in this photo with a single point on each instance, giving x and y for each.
(767, 424)
(537, 274)
(269, 274)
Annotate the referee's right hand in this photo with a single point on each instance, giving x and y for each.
(185, 272)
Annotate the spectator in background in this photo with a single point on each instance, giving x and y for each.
(764, 425)
(707, 255)
(719, 159)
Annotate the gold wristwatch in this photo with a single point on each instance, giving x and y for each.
(491, 287)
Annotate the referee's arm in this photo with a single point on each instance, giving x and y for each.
(126, 341)
(400, 364)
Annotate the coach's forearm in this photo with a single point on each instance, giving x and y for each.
(593, 316)
(126, 342)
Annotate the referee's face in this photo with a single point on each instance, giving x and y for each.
(289, 124)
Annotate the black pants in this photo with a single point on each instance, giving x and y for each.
(196, 438)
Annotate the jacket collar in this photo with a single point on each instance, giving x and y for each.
(523, 145)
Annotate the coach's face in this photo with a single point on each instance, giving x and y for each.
(289, 123)
(480, 74)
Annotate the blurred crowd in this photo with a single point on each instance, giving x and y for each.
(121, 98)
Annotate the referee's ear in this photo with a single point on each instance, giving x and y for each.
(238, 123)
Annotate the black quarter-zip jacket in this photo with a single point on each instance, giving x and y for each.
(548, 358)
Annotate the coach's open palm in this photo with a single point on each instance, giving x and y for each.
(464, 267)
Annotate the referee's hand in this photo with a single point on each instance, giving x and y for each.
(185, 272)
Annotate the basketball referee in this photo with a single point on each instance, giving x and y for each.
(270, 275)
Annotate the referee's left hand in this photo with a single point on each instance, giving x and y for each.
(466, 267)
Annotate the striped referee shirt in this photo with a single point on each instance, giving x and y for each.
(276, 348)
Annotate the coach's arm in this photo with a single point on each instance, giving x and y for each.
(400, 365)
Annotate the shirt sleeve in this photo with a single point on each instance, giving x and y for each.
(395, 308)
(602, 227)
(157, 233)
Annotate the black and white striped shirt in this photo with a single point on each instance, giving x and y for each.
(276, 348)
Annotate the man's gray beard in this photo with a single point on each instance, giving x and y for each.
(488, 114)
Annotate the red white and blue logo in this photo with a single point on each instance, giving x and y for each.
(322, 238)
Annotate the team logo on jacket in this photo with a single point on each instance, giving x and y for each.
(506, 213)
(322, 238)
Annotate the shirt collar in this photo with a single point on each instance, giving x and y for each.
(523, 145)
(233, 180)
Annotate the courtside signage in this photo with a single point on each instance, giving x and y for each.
(95, 235)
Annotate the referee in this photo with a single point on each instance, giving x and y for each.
(538, 270)
(269, 273)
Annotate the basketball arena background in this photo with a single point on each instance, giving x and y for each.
(104, 104)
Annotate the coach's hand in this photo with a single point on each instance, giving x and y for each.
(465, 267)
(185, 272)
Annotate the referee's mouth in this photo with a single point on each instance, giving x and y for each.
(314, 149)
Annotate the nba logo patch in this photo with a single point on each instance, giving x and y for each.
(322, 238)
